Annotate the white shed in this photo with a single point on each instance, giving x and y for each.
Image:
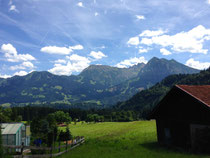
(14, 134)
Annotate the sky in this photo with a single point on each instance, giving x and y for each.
(66, 36)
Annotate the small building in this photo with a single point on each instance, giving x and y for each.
(15, 134)
(183, 116)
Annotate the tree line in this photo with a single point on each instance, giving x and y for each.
(28, 113)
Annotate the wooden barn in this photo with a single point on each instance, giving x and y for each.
(183, 117)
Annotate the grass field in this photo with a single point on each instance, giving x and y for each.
(122, 140)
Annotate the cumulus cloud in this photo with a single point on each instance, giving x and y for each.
(60, 50)
(80, 4)
(148, 33)
(13, 8)
(60, 61)
(78, 58)
(24, 65)
(191, 41)
(20, 73)
(5, 76)
(97, 55)
(75, 63)
(133, 41)
(11, 54)
(96, 14)
(140, 17)
(197, 64)
(56, 50)
(143, 50)
(130, 62)
(60, 69)
(165, 51)
(77, 47)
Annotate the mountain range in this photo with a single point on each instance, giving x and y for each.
(144, 101)
(95, 86)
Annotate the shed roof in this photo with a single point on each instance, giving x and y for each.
(199, 92)
(10, 128)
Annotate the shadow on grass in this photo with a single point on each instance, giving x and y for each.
(152, 146)
(155, 146)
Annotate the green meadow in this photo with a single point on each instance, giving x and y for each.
(122, 140)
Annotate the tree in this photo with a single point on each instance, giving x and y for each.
(68, 134)
(35, 126)
(89, 118)
(51, 120)
(5, 114)
(64, 136)
(61, 136)
(61, 117)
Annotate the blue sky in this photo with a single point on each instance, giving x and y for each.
(66, 36)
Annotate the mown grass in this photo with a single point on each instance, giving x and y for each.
(122, 140)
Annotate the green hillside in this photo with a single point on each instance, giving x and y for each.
(145, 100)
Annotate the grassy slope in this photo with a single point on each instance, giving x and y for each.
(121, 140)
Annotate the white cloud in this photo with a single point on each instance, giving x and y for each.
(13, 8)
(96, 14)
(148, 33)
(56, 50)
(77, 47)
(130, 62)
(60, 50)
(59, 69)
(165, 51)
(80, 4)
(197, 64)
(191, 41)
(24, 65)
(143, 50)
(10, 53)
(28, 64)
(60, 61)
(133, 41)
(208, 1)
(97, 55)
(76, 63)
(78, 58)
(140, 17)
(5, 76)
(20, 73)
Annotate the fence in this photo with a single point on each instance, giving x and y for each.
(67, 147)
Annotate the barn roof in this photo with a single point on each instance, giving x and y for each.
(199, 92)
(10, 128)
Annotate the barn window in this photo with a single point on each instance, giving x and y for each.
(167, 133)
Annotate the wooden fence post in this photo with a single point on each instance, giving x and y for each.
(66, 144)
(59, 149)
(21, 151)
(51, 151)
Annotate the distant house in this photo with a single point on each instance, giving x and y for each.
(15, 134)
(183, 116)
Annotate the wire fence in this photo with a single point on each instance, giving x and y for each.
(67, 147)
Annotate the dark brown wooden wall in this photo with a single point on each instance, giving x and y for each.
(176, 112)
